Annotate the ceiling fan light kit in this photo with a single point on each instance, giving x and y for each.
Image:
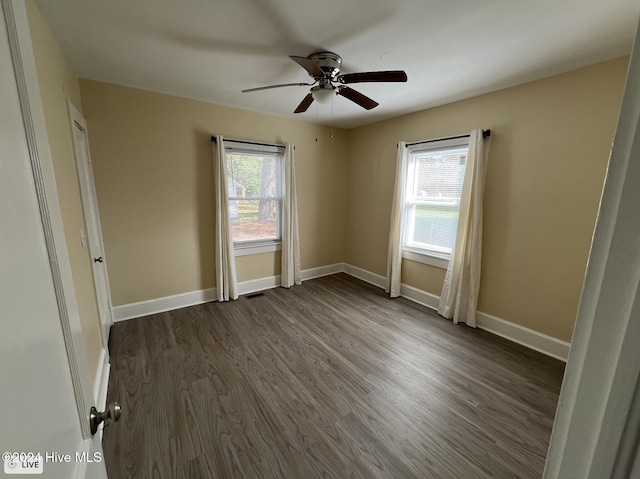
(323, 95)
(324, 68)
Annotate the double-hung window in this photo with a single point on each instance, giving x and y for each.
(254, 183)
(433, 186)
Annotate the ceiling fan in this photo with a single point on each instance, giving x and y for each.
(324, 68)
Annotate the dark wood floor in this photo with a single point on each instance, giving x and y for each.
(328, 379)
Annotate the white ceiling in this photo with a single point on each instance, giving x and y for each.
(451, 49)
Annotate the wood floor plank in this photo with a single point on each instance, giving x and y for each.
(330, 379)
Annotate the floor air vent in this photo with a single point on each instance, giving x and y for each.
(254, 295)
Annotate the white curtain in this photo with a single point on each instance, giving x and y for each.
(225, 261)
(459, 296)
(394, 257)
(290, 271)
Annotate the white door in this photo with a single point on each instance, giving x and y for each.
(45, 392)
(92, 220)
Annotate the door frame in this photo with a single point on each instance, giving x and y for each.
(596, 432)
(44, 178)
(90, 208)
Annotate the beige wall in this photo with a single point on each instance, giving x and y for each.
(58, 82)
(152, 164)
(152, 160)
(545, 173)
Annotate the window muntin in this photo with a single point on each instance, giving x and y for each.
(254, 182)
(434, 177)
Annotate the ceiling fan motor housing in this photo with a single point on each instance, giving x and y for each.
(328, 62)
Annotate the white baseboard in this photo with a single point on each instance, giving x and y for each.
(414, 294)
(160, 305)
(260, 284)
(366, 276)
(321, 271)
(421, 297)
(519, 334)
(101, 383)
(540, 342)
(168, 303)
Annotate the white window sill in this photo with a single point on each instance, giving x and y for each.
(426, 258)
(256, 249)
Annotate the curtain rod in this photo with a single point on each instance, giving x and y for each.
(213, 139)
(485, 134)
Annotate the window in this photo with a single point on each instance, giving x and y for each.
(434, 177)
(254, 182)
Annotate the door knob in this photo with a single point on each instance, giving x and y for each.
(98, 260)
(110, 415)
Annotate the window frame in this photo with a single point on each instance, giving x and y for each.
(428, 256)
(246, 248)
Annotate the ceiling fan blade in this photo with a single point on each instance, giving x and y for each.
(309, 65)
(357, 97)
(304, 104)
(280, 85)
(370, 77)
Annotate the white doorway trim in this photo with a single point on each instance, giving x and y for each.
(70, 342)
(597, 428)
(38, 144)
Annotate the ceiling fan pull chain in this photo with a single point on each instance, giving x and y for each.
(331, 120)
